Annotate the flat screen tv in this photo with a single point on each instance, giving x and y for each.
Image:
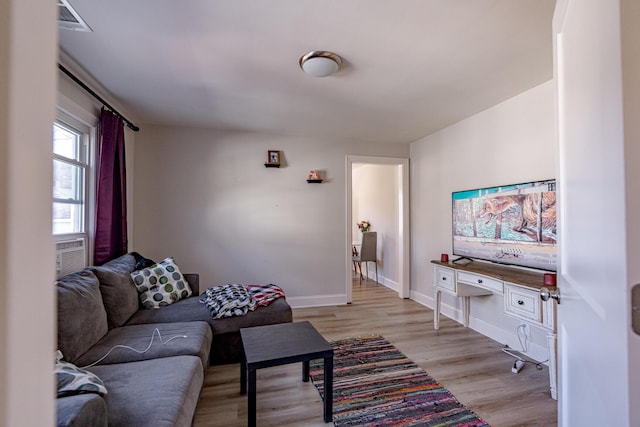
(512, 224)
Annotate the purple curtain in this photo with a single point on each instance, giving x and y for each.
(111, 194)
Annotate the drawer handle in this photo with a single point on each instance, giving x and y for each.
(520, 302)
(479, 280)
(444, 279)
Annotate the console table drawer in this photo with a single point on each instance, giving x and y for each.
(445, 279)
(480, 281)
(522, 303)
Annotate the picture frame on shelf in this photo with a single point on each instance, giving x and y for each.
(273, 158)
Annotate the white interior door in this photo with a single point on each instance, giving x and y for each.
(595, 343)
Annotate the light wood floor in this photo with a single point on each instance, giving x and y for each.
(470, 365)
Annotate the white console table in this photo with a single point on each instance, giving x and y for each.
(519, 289)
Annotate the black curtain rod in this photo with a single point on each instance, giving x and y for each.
(129, 124)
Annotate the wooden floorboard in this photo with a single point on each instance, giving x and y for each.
(467, 363)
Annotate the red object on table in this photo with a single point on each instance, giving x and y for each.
(549, 279)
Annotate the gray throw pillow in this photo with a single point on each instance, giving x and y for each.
(118, 292)
(82, 319)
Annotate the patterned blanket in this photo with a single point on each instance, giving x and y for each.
(237, 300)
(265, 294)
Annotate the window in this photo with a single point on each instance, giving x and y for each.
(70, 177)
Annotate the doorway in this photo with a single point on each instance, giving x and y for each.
(396, 229)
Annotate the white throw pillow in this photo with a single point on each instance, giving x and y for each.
(161, 284)
(73, 380)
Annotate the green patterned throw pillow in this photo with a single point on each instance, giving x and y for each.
(73, 380)
(161, 284)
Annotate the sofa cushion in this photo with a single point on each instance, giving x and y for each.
(82, 320)
(82, 410)
(278, 311)
(73, 380)
(186, 310)
(161, 284)
(118, 292)
(180, 338)
(192, 309)
(159, 392)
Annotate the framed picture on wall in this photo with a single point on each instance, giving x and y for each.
(273, 157)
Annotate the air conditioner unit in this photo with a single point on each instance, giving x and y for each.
(71, 255)
(69, 19)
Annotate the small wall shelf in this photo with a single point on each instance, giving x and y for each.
(314, 181)
(272, 165)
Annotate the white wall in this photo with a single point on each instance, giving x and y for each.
(506, 144)
(27, 321)
(629, 13)
(375, 199)
(205, 197)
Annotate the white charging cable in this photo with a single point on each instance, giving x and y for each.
(520, 331)
(136, 350)
(524, 344)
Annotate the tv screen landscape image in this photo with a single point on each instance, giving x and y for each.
(512, 224)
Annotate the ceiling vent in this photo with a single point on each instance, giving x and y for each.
(68, 19)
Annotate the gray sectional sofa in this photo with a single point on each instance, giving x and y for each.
(99, 311)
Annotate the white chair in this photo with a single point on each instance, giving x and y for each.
(368, 252)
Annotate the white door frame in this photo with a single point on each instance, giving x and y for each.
(403, 226)
(597, 136)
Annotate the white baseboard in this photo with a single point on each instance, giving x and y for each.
(421, 298)
(393, 285)
(337, 299)
(317, 301)
(536, 352)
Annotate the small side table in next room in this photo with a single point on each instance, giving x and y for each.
(281, 344)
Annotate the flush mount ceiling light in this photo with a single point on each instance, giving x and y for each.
(320, 63)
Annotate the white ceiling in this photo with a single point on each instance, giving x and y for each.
(410, 67)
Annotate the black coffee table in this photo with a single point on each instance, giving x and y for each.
(281, 344)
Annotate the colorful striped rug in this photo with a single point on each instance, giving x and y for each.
(376, 385)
